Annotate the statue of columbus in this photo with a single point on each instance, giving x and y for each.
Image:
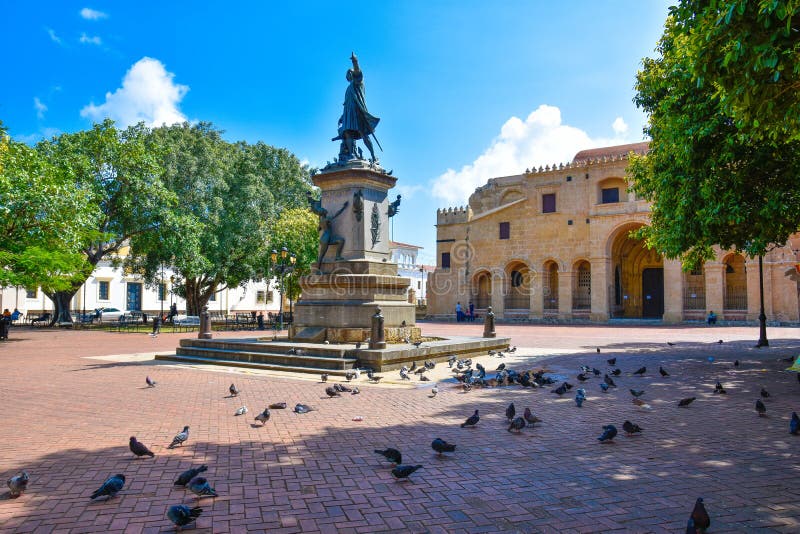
(356, 122)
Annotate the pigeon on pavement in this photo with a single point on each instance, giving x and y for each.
(18, 484)
(139, 449)
(530, 418)
(700, 517)
(662, 371)
(393, 455)
(302, 408)
(234, 392)
(719, 389)
(150, 382)
(764, 394)
(241, 411)
(434, 391)
(331, 392)
(324, 377)
(794, 424)
(517, 424)
(686, 402)
(200, 487)
(510, 411)
(189, 474)
(472, 420)
(612, 361)
(760, 408)
(640, 371)
(179, 438)
(609, 432)
(404, 471)
(263, 417)
(440, 446)
(110, 487)
(608, 380)
(631, 428)
(637, 392)
(277, 406)
(181, 515)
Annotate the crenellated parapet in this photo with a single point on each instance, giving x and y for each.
(459, 214)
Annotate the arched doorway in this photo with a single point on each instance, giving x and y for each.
(694, 293)
(482, 290)
(518, 287)
(735, 279)
(638, 276)
(582, 287)
(550, 287)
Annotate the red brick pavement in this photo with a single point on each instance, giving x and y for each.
(67, 420)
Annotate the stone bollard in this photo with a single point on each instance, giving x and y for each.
(377, 338)
(205, 324)
(488, 324)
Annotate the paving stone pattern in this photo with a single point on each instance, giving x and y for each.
(67, 420)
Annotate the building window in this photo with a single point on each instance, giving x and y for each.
(610, 195)
(31, 293)
(445, 260)
(213, 297)
(505, 230)
(516, 278)
(419, 285)
(261, 296)
(162, 291)
(549, 203)
(102, 290)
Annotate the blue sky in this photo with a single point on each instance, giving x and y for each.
(465, 90)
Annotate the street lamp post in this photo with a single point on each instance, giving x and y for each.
(161, 295)
(281, 264)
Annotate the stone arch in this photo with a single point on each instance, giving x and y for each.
(637, 275)
(581, 285)
(614, 182)
(510, 196)
(482, 289)
(550, 286)
(694, 293)
(518, 280)
(734, 275)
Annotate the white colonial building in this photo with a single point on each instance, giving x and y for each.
(405, 256)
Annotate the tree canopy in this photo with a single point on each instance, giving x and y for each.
(297, 230)
(748, 53)
(711, 181)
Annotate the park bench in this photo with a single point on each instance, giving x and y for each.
(42, 319)
(186, 322)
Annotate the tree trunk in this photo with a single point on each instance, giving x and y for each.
(196, 298)
(61, 301)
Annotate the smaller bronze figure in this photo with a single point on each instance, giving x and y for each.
(328, 237)
(394, 207)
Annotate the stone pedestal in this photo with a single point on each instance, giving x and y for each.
(339, 299)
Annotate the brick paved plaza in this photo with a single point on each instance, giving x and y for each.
(72, 399)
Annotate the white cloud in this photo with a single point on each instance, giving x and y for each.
(92, 14)
(619, 126)
(539, 140)
(39, 107)
(53, 37)
(95, 40)
(148, 94)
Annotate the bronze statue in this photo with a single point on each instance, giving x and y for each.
(394, 207)
(356, 122)
(328, 237)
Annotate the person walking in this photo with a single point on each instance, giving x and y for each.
(471, 311)
(459, 313)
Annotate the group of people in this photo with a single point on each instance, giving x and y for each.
(465, 316)
(11, 316)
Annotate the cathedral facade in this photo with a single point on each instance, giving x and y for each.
(554, 243)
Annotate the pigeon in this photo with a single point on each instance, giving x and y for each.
(417, 344)
(424, 378)
(17, 484)
(404, 471)
(357, 372)
(719, 389)
(616, 372)
(608, 380)
(181, 515)
(179, 438)
(373, 377)
(421, 370)
(150, 382)
(501, 367)
(393, 455)
(604, 387)
(580, 396)
(263, 417)
(686, 402)
(760, 408)
(596, 371)
(736, 364)
(430, 365)
(764, 393)
(671, 344)
(110, 487)
(637, 393)
(355, 391)
(440, 446)
(510, 411)
(472, 420)
(341, 388)
(277, 406)
(358, 345)
(560, 390)
(302, 408)
(662, 371)
(404, 374)
(530, 418)
(331, 392)
(700, 519)
(349, 375)
(466, 387)
(612, 361)
(200, 487)
(233, 390)
(640, 371)
(598, 350)
(139, 449)
(512, 350)
(794, 424)
(324, 377)
(413, 367)
(630, 428)
(451, 360)
(517, 424)
(434, 391)
(609, 432)
(720, 342)
(189, 474)
(582, 377)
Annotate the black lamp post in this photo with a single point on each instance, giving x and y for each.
(161, 289)
(281, 264)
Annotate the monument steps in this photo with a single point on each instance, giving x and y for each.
(219, 359)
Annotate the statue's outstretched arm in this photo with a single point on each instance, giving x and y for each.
(346, 203)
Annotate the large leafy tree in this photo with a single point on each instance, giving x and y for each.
(748, 53)
(117, 171)
(711, 181)
(43, 217)
(297, 230)
(230, 196)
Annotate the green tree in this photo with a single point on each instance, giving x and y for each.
(42, 219)
(117, 170)
(297, 230)
(748, 52)
(710, 181)
(229, 198)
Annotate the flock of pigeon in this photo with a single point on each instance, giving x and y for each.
(470, 377)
